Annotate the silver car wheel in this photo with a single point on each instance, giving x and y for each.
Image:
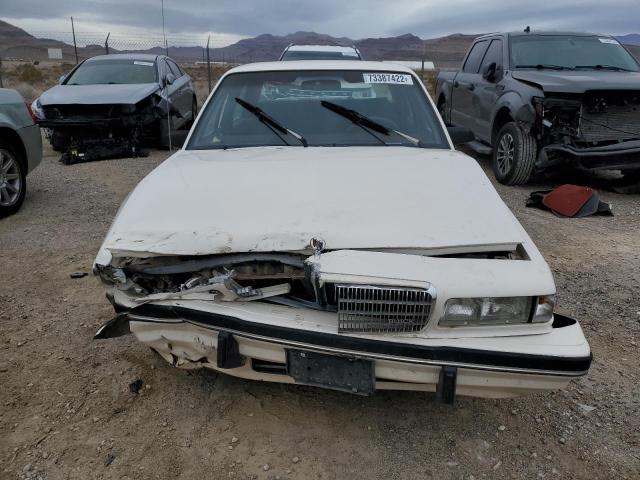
(506, 153)
(10, 179)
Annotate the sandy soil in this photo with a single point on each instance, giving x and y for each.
(66, 410)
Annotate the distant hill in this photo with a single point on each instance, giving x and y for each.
(16, 43)
(445, 52)
(630, 39)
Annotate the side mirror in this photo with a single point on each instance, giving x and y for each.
(169, 79)
(178, 137)
(460, 135)
(490, 70)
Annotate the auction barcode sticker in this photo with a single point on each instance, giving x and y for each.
(394, 78)
(140, 62)
(608, 40)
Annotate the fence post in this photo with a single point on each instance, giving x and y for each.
(208, 63)
(1, 84)
(106, 43)
(75, 46)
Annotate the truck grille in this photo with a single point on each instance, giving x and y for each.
(607, 118)
(366, 308)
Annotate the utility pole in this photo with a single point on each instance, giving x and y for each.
(166, 47)
(75, 47)
(106, 43)
(208, 63)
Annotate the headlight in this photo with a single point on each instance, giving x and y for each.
(459, 312)
(36, 108)
(544, 309)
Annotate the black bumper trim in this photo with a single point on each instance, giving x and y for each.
(623, 155)
(477, 358)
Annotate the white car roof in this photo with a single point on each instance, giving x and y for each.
(321, 48)
(321, 65)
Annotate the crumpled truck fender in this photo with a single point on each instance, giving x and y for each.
(513, 104)
(516, 101)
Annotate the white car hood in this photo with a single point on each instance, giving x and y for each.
(279, 198)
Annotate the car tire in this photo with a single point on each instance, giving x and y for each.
(442, 108)
(13, 179)
(194, 113)
(514, 155)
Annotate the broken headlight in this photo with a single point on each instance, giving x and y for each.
(462, 312)
(37, 110)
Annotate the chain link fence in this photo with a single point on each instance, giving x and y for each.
(74, 47)
(37, 64)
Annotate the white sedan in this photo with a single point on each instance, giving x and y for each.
(319, 228)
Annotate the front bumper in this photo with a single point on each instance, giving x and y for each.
(619, 156)
(491, 368)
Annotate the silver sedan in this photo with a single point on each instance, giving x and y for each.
(20, 150)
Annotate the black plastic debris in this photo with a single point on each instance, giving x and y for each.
(109, 459)
(135, 387)
(570, 201)
(78, 274)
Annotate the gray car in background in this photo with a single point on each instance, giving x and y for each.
(20, 150)
(112, 105)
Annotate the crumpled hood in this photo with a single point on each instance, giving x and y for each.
(579, 81)
(279, 198)
(97, 94)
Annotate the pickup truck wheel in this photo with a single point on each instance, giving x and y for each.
(13, 181)
(194, 113)
(514, 155)
(442, 108)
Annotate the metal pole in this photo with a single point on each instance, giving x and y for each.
(166, 48)
(424, 53)
(1, 84)
(208, 64)
(75, 47)
(106, 43)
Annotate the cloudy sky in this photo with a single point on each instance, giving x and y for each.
(230, 20)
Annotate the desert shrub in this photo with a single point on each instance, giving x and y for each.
(26, 73)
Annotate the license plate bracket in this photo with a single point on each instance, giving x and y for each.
(346, 374)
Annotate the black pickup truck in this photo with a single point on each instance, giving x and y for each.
(542, 100)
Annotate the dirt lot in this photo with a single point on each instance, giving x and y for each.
(67, 412)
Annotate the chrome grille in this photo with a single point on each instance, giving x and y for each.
(371, 309)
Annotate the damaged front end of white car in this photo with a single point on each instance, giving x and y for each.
(355, 267)
(349, 320)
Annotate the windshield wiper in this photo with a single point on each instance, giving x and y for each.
(367, 124)
(273, 124)
(545, 66)
(604, 67)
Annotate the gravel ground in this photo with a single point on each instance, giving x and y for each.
(66, 410)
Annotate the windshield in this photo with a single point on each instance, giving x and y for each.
(319, 55)
(570, 52)
(98, 72)
(257, 108)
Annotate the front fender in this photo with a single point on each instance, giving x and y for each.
(518, 107)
